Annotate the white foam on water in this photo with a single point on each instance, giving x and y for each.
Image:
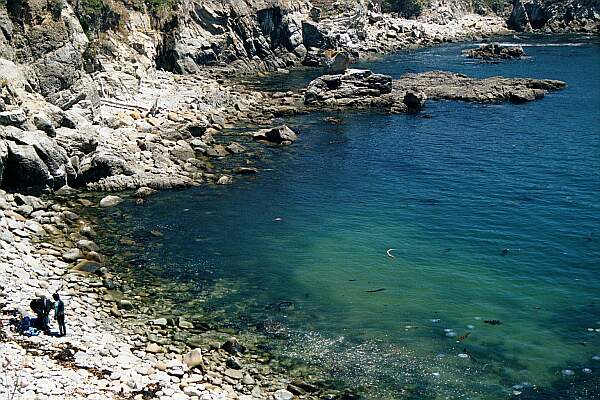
(542, 44)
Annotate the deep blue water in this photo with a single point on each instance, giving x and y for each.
(449, 193)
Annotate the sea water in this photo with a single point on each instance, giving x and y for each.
(492, 289)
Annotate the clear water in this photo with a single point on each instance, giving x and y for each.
(449, 193)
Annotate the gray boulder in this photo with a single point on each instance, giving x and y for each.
(281, 135)
(339, 64)
(13, 118)
(35, 162)
(96, 166)
(110, 201)
(24, 170)
(58, 70)
(44, 123)
(354, 84)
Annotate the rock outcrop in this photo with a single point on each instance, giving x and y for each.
(495, 51)
(555, 16)
(266, 34)
(364, 89)
(33, 161)
(349, 88)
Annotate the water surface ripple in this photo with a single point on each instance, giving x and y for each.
(449, 193)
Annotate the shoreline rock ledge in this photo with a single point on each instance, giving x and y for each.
(364, 89)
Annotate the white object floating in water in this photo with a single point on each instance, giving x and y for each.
(590, 329)
(435, 374)
(478, 318)
(389, 253)
(517, 387)
(448, 330)
(435, 321)
(596, 358)
(568, 372)
(278, 219)
(470, 326)
(450, 334)
(463, 355)
(517, 392)
(586, 371)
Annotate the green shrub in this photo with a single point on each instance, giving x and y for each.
(96, 16)
(55, 7)
(407, 8)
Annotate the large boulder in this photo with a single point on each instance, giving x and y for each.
(281, 135)
(354, 84)
(25, 170)
(35, 162)
(13, 118)
(96, 166)
(339, 63)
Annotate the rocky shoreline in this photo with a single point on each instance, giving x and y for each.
(112, 350)
(126, 125)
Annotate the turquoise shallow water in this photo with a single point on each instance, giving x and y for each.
(449, 193)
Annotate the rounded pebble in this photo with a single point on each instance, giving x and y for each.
(435, 374)
(463, 355)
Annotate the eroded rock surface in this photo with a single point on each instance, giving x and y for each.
(364, 89)
(493, 51)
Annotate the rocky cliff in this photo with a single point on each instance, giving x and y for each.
(555, 16)
(111, 95)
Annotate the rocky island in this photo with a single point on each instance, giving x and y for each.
(108, 97)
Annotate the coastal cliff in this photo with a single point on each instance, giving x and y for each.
(109, 97)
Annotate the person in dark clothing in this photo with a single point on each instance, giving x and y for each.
(59, 314)
(41, 307)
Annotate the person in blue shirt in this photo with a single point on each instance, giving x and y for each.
(59, 314)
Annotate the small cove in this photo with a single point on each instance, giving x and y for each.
(301, 248)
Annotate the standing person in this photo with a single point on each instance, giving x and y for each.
(59, 314)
